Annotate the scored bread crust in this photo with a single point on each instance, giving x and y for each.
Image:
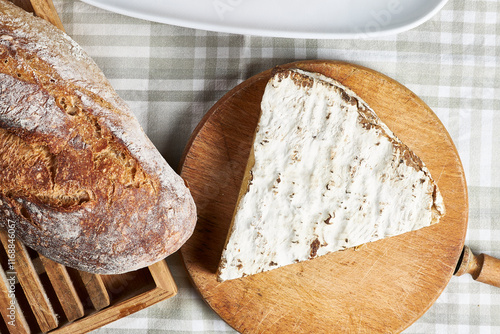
(78, 176)
(259, 240)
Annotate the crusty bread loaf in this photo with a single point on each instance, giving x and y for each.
(325, 174)
(78, 176)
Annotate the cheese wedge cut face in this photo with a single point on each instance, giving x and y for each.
(325, 175)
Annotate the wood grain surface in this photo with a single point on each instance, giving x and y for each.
(383, 286)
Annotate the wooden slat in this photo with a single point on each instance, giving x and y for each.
(45, 9)
(64, 289)
(42, 8)
(116, 312)
(37, 263)
(15, 321)
(96, 289)
(24, 4)
(162, 277)
(32, 287)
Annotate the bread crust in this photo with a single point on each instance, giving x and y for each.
(78, 175)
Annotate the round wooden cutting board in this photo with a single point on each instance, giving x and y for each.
(381, 287)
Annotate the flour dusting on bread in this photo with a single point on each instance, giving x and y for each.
(80, 179)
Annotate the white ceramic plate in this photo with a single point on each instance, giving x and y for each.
(283, 18)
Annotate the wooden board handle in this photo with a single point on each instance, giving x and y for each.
(483, 268)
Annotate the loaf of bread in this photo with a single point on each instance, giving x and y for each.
(78, 176)
(325, 174)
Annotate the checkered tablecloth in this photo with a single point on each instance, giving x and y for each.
(171, 76)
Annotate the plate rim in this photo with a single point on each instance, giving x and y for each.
(263, 32)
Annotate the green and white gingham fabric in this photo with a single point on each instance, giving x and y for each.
(171, 76)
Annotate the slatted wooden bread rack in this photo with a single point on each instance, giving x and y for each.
(56, 299)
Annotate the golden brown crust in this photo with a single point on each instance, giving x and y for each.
(78, 175)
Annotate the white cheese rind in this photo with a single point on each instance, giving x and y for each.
(328, 175)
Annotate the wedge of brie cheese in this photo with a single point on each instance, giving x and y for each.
(325, 174)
